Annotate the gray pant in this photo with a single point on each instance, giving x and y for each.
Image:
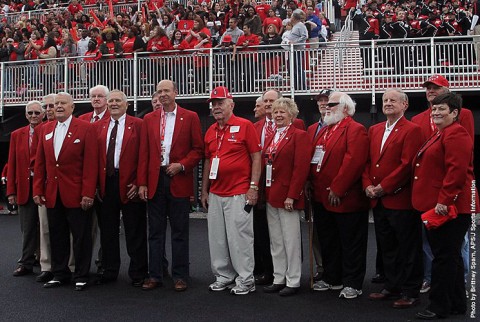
(230, 236)
(28, 214)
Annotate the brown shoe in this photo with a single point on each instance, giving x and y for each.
(21, 271)
(150, 284)
(384, 295)
(180, 285)
(406, 302)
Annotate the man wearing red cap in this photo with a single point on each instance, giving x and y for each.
(229, 190)
(436, 85)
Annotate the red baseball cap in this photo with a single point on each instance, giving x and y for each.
(227, 38)
(438, 80)
(220, 92)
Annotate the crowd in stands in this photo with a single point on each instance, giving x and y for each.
(94, 30)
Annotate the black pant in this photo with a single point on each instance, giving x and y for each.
(62, 221)
(135, 223)
(448, 284)
(164, 205)
(29, 225)
(261, 242)
(399, 233)
(343, 242)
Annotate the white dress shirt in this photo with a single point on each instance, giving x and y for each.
(118, 140)
(267, 121)
(278, 133)
(59, 135)
(167, 140)
(388, 131)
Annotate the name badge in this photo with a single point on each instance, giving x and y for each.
(318, 155)
(234, 129)
(214, 168)
(268, 175)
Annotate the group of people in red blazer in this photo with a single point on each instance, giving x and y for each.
(399, 168)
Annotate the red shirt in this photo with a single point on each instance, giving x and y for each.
(235, 167)
(262, 10)
(277, 22)
(128, 47)
(73, 9)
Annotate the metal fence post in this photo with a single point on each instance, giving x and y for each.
(292, 72)
(65, 75)
(135, 82)
(210, 71)
(432, 56)
(2, 92)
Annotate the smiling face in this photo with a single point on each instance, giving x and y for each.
(63, 107)
(117, 105)
(281, 117)
(166, 95)
(442, 116)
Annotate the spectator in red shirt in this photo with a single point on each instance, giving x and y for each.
(194, 37)
(74, 7)
(272, 19)
(180, 61)
(247, 62)
(262, 9)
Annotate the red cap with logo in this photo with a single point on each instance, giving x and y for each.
(438, 80)
(220, 92)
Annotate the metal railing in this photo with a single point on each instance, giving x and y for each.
(367, 67)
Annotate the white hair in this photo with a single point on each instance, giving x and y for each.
(34, 103)
(346, 101)
(102, 87)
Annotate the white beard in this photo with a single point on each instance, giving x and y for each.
(334, 118)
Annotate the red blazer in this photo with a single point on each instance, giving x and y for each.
(88, 116)
(345, 157)
(75, 173)
(443, 171)
(18, 173)
(187, 149)
(392, 168)
(298, 123)
(312, 129)
(289, 169)
(128, 154)
(465, 119)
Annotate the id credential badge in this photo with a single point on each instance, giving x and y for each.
(318, 156)
(214, 168)
(268, 175)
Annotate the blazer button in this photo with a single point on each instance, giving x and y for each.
(374, 178)
(55, 178)
(417, 165)
(416, 178)
(378, 165)
(57, 165)
(273, 169)
(273, 180)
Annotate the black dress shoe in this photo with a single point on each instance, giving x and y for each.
(44, 277)
(274, 288)
(288, 291)
(264, 279)
(80, 286)
(137, 282)
(378, 279)
(427, 315)
(53, 283)
(318, 276)
(22, 271)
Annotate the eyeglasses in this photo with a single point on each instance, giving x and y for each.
(333, 104)
(34, 112)
(49, 105)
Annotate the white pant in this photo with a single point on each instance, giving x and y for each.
(476, 43)
(230, 236)
(45, 253)
(285, 245)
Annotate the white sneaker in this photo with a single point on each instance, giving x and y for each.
(349, 293)
(219, 286)
(243, 289)
(425, 287)
(324, 286)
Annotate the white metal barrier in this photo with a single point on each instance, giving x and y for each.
(365, 67)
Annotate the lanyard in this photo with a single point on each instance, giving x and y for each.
(163, 122)
(330, 130)
(433, 127)
(272, 149)
(219, 142)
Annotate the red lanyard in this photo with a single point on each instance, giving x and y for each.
(433, 127)
(163, 122)
(272, 148)
(219, 142)
(330, 130)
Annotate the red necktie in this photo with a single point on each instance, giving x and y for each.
(269, 131)
(96, 118)
(111, 151)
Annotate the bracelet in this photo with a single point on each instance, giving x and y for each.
(254, 187)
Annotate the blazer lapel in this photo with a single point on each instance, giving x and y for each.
(103, 142)
(126, 134)
(429, 143)
(397, 128)
(178, 125)
(333, 140)
(72, 129)
(286, 139)
(157, 123)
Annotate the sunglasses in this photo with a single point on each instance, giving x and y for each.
(33, 112)
(333, 104)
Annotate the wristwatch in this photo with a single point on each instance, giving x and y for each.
(253, 185)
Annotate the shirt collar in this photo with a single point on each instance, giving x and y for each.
(100, 116)
(67, 122)
(389, 128)
(121, 120)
